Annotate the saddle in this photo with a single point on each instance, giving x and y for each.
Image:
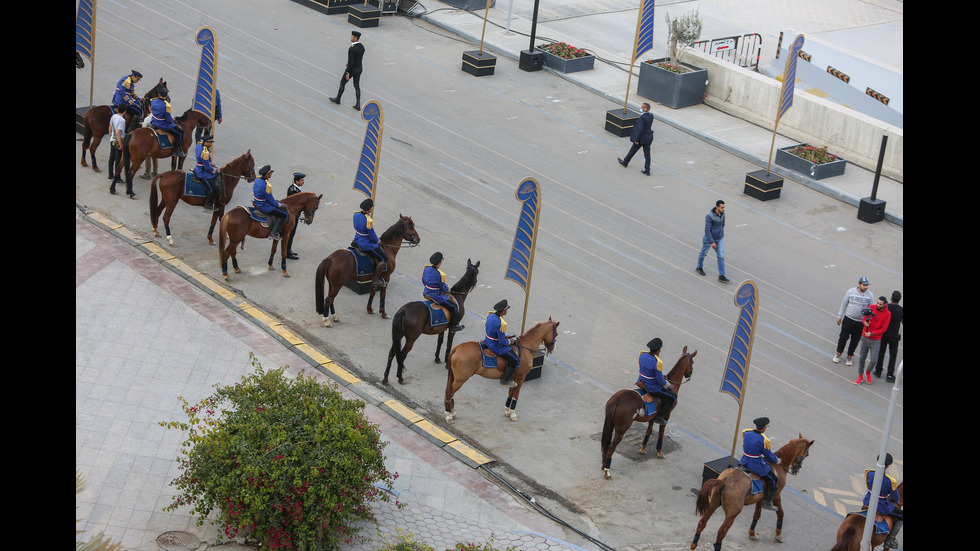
(491, 360)
(164, 138)
(881, 525)
(758, 484)
(648, 408)
(257, 215)
(194, 186)
(366, 263)
(438, 314)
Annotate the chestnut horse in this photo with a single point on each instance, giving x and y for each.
(238, 223)
(171, 186)
(465, 360)
(142, 143)
(850, 531)
(341, 266)
(413, 320)
(731, 491)
(96, 123)
(626, 407)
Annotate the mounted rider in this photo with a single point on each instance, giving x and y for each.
(756, 456)
(163, 120)
(367, 240)
(499, 343)
(888, 498)
(652, 380)
(264, 201)
(207, 172)
(436, 290)
(125, 95)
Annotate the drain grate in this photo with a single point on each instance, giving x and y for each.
(176, 540)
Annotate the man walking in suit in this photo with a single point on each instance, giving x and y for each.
(352, 70)
(642, 137)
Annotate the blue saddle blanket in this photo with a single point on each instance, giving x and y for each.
(193, 187)
(437, 316)
(365, 262)
(651, 407)
(163, 138)
(489, 362)
(881, 527)
(258, 216)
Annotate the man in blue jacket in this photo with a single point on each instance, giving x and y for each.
(125, 95)
(714, 238)
(367, 240)
(207, 172)
(642, 136)
(164, 120)
(435, 288)
(264, 201)
(888, 498)
(653, 381)
(756, 456)
(499, 343)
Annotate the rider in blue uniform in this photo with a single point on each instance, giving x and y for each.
(264, 201)
(206, 171)
(888, 498)
(162, 119)
(125, 95)
(499, 343)
(434, 281)
(652, 380)
(366, 239)
(756, 456)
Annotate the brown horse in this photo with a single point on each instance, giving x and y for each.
(850, 531)
(731, 491)
(171, 186)
(96, 123)
(238, 223)
(465, 360)
(412, 320)
(626, 407)
(143, 143)
(341, 266)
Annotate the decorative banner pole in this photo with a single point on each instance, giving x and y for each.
(204, 95)
(621, 124)
(366, 178)
(525, 237)
(764, 186)
(477, 62)
(736, 375)
(85, 38)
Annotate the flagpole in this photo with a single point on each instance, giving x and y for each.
(636, 37)
(787, 91)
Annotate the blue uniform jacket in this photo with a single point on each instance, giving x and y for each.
(755, 452)
(162, 118)
(262, 197)
(888, 496)
(435, 284)
(651, 372)
(204, 169)
(364, 235)
(496, 338)
(125, 93)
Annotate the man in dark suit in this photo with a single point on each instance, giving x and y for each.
(352, 70)
(642, 137)
(297, 186)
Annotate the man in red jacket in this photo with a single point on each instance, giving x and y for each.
(876, 321)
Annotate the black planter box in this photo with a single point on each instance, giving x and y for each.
(763, 186)
(469, 5)
(672, 89)
(562, 65)
(479, 64)
(803, 166)
(330, 7)
(714, 468)
(537, 364)
(80, 119)
(364, 16)
(620, 124)
(361, 288)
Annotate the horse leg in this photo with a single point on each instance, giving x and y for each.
(439, 347)
(328, 309)
(702, 522)
(607, 457)
(370, 310)
(392, 352)
(215, 216)
(449, 345)
(381, 302)
(755, 520)
(778, 502)
(660, 440)
(167, 213)
(96, 140)
(409, 343)
(646, 437)
(511, 404)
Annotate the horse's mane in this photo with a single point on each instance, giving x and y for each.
(788, 453)
(395, 229)
(240, 158)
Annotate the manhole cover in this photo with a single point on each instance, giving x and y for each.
(178, 541)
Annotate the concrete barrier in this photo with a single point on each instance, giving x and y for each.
(754, 97)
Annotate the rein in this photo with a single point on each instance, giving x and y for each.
(683, 378)
(403, 239)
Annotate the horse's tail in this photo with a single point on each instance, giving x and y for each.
(706, 493)
(87, 133)
(222, 234)
(844, 541)
(398, 328)
(154, 211)
(321, 274)
(450, 378)
(608, 425)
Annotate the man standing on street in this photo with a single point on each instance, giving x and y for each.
(714, 238)
(352, 70)
(891, 337)
(850, 320)
(642, 136)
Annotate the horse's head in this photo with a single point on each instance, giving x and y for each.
(793, 454)
(468, 281)
(551, 338)
(79, 62)
(309, 210)
(249, 172)
(411, 235)
(159, 89)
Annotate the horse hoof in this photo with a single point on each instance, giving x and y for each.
(326, 322)
(606, 474)
(156, 233)
(384, 381)
(438, 361)
(285, 274)
(226, 276)
(84, 163)
(238, 270)
(779, 536)
(210, 241)
(660, 454)
(335, 317)
(384, 315)
(402, 381)
(171, 241)
(643, 450)
(752, 535)
(96, 169)
(449, 419)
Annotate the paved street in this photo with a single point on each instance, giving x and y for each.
(614, 261)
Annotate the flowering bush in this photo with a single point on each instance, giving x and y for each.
(816, 155)
(563, 50)
(672, 67)
(288, 462)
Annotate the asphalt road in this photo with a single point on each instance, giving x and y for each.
(614, 262)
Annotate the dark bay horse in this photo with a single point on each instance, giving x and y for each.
(96, 123)
(731, 489)
(142, 143)
(237, 224)
(850, 531)
(626, 407)
(171, 184)
(412, 320)
(341, 267)
(465, 360)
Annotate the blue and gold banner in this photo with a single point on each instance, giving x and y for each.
(85, 29)
(644, 29)
(367, 168)
(204, 95)
(737, 366)
(522, 253)
(789, 77)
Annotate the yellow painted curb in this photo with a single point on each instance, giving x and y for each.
(341, 373)
(404, 411)
(157, 250)
(288, 335)
(104, 221)
(470, 453)
(259, 316)
(211, 285)
(435, 431)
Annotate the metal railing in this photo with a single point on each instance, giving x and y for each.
(743, 51)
